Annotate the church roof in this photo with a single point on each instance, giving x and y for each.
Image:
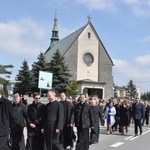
(63, 45)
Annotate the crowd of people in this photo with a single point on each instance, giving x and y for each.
(51, 126)
(120, 115)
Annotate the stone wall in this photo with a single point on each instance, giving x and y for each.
(105, 72)
(71, 59)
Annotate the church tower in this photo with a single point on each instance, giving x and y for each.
(55, 36)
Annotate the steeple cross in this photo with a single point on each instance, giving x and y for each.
(89, 17)
(56, 12)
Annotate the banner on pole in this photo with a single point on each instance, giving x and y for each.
(45, 80)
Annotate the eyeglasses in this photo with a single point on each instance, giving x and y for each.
(37, 98)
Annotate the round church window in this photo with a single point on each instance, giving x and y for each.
(88, 59)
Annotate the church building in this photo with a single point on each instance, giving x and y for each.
(87, 59)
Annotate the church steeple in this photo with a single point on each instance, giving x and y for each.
(55, 36)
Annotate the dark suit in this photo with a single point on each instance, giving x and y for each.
(146, 116)
(117, 117)
(6, 111)
(97, 113)
(18, 124)
(138, 114)
(35, 137)
(66, 133)
(52, 120)
(83, 116)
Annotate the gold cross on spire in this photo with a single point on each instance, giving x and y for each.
(89, 17)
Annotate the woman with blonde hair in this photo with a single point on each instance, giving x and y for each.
(125, 113)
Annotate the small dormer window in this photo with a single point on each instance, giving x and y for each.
(89, 35)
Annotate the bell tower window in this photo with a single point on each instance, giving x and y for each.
(89, 35)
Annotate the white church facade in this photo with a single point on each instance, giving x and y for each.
(87, 59)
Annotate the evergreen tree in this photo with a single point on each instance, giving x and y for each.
(23, 85)
(60, 72)
(131, 90)
(40, 65)
(146, 96)
(3, 70)
(4, 81)
(72, 89)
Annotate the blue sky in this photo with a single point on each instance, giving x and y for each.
(122, 25)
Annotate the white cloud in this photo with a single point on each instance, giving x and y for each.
(21, 37)
(139, 7)
(143, 60)
(98, 4)
(26, 37)
(136, 70)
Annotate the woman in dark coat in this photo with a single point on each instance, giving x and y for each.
(125, 114)
(18, 124)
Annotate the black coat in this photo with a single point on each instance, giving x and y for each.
(6, 111)
(53, 119)
(66, 133)
(83, 115)
(24, 101)
(18, 124)
(67, 111)
(53, 115)
(138, 111)
(97, 113)
(147, 109)
(19, 115)
(125, 114)
(34, 115)
(117, 107)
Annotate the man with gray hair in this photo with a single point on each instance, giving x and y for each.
(18, 124)
(138, 114)
(5, 121)
(53, 123)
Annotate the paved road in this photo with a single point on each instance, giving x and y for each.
(122, 142)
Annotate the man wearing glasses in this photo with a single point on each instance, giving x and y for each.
(34, 123)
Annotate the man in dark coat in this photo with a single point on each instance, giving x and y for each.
(83, 117)
(35, 110)
(117, 116)
(6, 111)
(53, 123)
(18, 124)
(138, 114)
(146, 116)
(97, 113)
(24, 99)
(66, 133)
